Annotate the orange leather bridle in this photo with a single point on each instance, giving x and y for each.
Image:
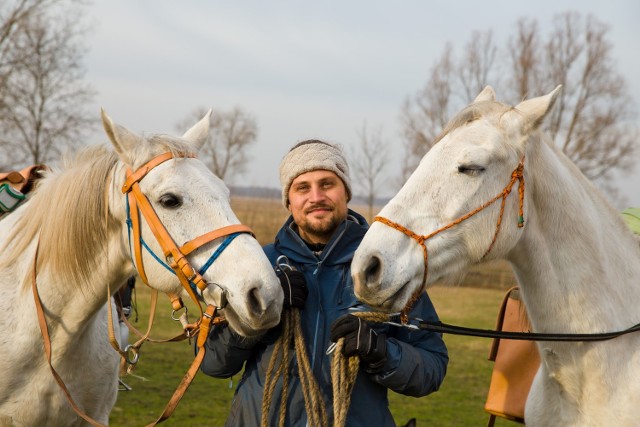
(516, 175)
(175, 256)
(177, 260)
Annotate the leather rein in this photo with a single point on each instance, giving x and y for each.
(403, 316)
(190, 278)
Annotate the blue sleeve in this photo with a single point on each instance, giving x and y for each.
(416, 359)
(226, 352)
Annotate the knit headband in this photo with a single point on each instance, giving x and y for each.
(312, 155)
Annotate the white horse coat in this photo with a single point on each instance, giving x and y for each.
(78, 217)
(576, 262)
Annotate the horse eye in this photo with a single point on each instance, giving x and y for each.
(170, 201)
(471, 169)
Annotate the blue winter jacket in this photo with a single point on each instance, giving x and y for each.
(417, 360)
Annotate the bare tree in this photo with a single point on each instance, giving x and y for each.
(368, 160)
(593, 121)
(231, 134)
(477, 65)
(427, 112)
(525, 60)
(594, 124)
(41, 88)
(13, 15)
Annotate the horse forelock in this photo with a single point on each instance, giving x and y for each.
(472, 113)
(66, 214)
(156, 144)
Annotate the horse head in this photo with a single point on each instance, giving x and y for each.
(457, 208)
(190, 204)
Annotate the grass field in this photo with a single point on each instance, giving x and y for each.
(459, 402)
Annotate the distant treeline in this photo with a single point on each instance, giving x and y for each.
(274, 193)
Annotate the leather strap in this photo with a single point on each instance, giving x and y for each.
(137, 238)
(194, 244)
(208, 318)
(180, 265)
(503, 306)
(146, 168)
(24, 179)
(44, 330)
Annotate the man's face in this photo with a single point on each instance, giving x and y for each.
(318, 203)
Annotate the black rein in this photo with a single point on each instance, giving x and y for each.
(527, 336)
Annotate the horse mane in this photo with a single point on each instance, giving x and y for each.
(471, 113)
(66, 215)
(67, 212)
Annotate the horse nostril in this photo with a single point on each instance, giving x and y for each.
(373, 269)
(255, 302)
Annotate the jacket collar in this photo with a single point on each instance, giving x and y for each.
(338, 250)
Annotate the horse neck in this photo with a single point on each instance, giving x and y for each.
(573, 260)
(77, 265)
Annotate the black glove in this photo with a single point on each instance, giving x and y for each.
(295, 289)
(360, 339)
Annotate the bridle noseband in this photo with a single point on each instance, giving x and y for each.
(516, 175)
(176, 257)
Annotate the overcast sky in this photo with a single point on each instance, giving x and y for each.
(305, 69)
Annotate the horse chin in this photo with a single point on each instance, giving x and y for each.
(399, 300)
(394, 302)
(246, 328)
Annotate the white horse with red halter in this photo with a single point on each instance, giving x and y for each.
(576, 262)
(78, 217)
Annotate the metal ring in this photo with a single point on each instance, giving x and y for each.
(173, 312)
(282, 262)
(223, 296)
(130, 349)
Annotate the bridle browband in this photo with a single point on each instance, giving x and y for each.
(516, 175)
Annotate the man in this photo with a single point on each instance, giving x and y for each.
(318, 241)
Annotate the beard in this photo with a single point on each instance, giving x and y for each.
(323, 227)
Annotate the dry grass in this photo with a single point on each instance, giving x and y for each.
(266, 216)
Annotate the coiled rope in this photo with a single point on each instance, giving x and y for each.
(344, 371)
(279, 367)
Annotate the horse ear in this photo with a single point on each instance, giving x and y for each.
(123, 140)
(487, 94)
(536, 109)
(199, 133)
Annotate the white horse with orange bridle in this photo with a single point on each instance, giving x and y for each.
(577, 264)
(78, 217)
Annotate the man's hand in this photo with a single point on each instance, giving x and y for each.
(295, 289)
(360, 339)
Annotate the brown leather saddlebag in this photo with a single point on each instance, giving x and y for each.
(515, 363)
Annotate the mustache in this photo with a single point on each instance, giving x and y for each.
(318, 206)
